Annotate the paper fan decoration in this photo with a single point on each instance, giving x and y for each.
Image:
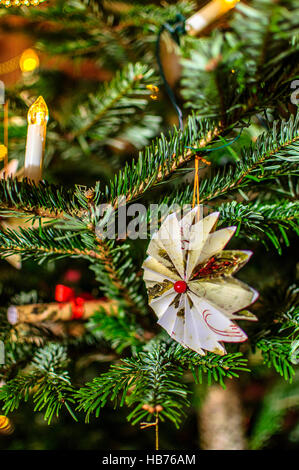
(188, 276)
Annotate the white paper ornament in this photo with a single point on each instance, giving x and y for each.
(188, 276)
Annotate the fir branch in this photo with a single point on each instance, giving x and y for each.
(140, 133)
(290, 319)
(94, 395)
(118, 277)
(262, 221)
(266, 32)
(278, 339)
(114, 104)
(212, 365)
(148, 379)
(17, 354)
(210, 84)
(237, 73)
(159, 384)
(121, 331)
(278, 353)
(275, 154)
(94, 7)
(271, 221)
(287, 188)
(152, 17)
(45, 243)
(42, 200)
(47, 381)
(159, 161)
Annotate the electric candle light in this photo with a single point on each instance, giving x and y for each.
(36, 136)
(208, 14)
(6, 426)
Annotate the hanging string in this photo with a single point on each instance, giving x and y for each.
(196, 183)
(155, 424)
(6, 131)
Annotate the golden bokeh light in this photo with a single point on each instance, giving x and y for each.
(29, 61)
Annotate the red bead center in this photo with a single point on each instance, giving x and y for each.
(180, 287)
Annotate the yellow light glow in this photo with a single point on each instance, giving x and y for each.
(3, 152)
(6, 426)
(231, 2)
(155, 90)
(29, 61)
(19, 3)
(38, 112)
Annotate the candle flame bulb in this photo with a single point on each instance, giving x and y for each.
(38, 112)
(38, 116)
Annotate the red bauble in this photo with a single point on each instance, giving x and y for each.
(180, 287)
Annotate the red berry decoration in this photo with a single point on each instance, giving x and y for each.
(180, 287)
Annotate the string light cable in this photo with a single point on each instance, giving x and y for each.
(176, 28)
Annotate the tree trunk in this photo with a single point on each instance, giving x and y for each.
(221, 421)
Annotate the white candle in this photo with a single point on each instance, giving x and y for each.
(208, 14)
(36, 137)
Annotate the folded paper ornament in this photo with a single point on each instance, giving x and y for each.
(189, 281)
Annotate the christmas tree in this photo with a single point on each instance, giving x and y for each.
(146, 108)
